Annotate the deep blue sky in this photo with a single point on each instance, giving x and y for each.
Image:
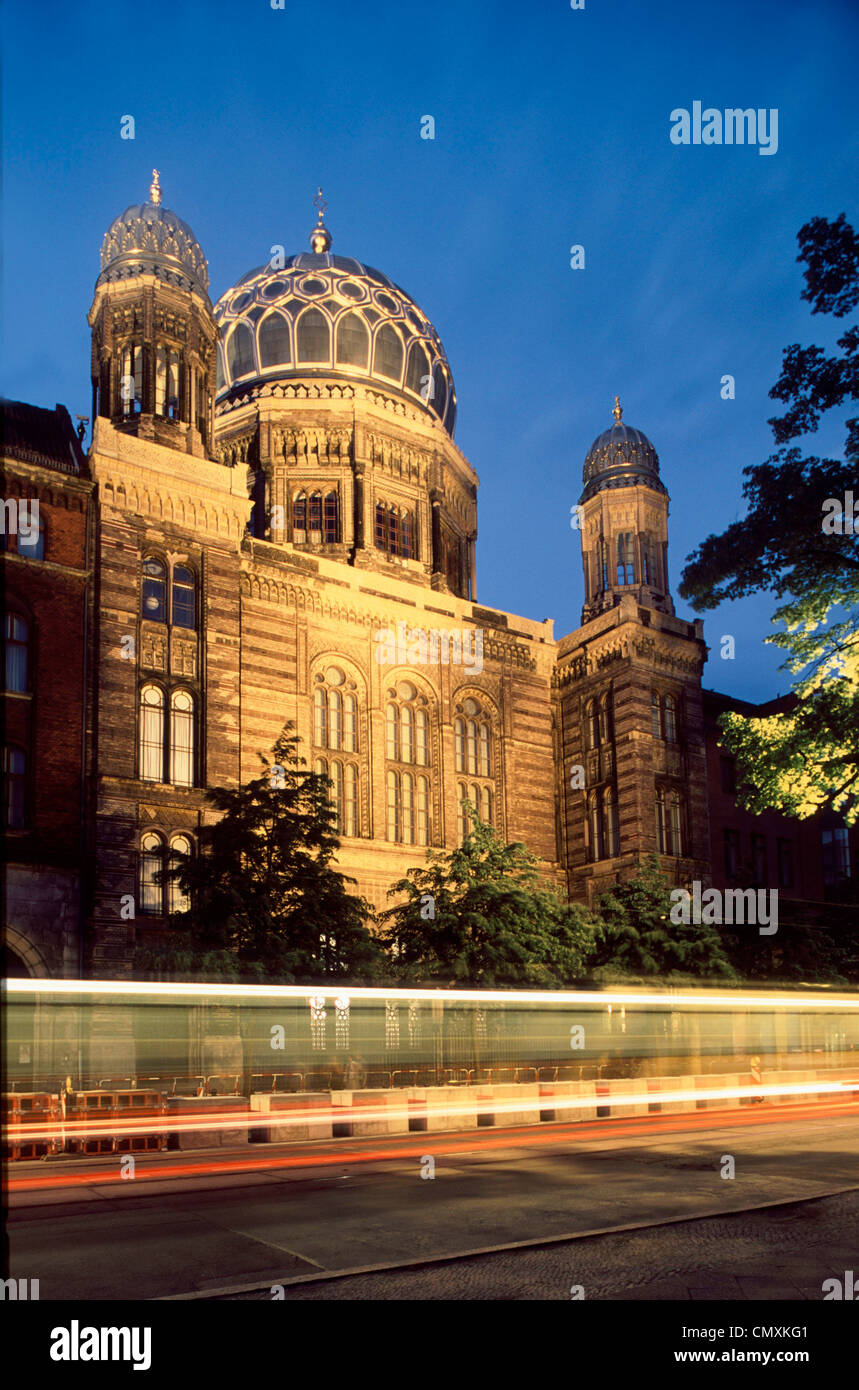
(551, 129)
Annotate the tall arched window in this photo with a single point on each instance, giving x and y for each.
(353, 341)
(330, 518)
(184, 600)
(606, 731)
(350, 808)
(131, 380)
(335, 719)
(483, 760)
(17, 658)
(423, 811)
(314, 337)
(602, 564)
(151, 890)
(273, 341)
(407, 734)
(472, 743)
(178, 900)
(661, 822)
(320, 717)
(610, 823)
(464, 822)
(591, 725)
(240, 351)
(182, 739)
(669, 711)
(459, 743)
(167, 367)
(315, 518)
(408, 808)
(152, 734)
(392, 733)
(418, 372)
(154, 595)
(393, 806)
(15, 787)
(655, 714)
(421, 740)
(299, 518)
(675, 822)
(335, 727)
(388, 359)
(648, 553)
(350, 724)
(625, 558)
(669, 821)
(597, 846)
(394, 531)
(486, 805)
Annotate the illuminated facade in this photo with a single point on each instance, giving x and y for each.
(286, 531)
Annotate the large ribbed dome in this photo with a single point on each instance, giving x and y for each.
(321, 315)
(620, 457)
(150, 239)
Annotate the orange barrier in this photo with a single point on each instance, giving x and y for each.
(292, 1118)
(29, 1107)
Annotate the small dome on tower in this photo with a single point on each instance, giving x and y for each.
(149, 239)
(620, 457)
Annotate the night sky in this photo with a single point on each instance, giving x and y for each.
(551, 130)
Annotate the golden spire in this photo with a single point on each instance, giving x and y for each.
(320, 237)
(618, 411)
(155, 189)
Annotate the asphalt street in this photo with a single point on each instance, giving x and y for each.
(195, 1227)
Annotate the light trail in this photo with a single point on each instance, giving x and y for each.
(149, 1168)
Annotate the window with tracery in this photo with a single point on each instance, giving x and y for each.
(316, 518)
(408, 792)
(670, 819)
(395, 531)
(474, 756)
(335, 729)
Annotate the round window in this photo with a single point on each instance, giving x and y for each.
(334, 675)
(472, 707)
(407, 690)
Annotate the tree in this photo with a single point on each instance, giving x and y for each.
(480, 915)
(637, 936)
(262, 890)
(799, 541)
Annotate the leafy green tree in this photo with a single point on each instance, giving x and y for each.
(637, 936)
(480, 915)
(799, 540)
(262, 889)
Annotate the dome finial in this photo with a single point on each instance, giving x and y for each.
(155, 189)
(320, 237)
(618, 411)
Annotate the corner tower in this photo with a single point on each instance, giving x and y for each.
(628, 713)
(624, 522)
(153, 331)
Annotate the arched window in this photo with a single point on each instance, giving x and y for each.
(154, 597)
(483, 759)
(299, 518)
(408, 817)
(597, 846)
(15, 780)
(438, 397)
(184, 597)
(602, 565)
(670, 719)
(610, 823)
(131, 380)
(394, 531)
(240, 351)
(464, 821)
(486, 805)
(17, 662)
(675, 823)
(591, 725)
(625, 558)
(152, 734)
(315, 517)
(314, 337)
(471, 745)
(421, 744)
(329, 518)
(393, 807)
(606, 732)
(182, 739)
(320, 717)
(167, 368)
(273, 340)
(392, 733)
(178, 899)
(336, 775)
(350, 807)
(353, 341)
(388, 360)
(407, 735)
(423, 820)
(151, 890)
(335, 719)
(418, 371)
(459, 743)
(648, 552)
(350, 724)
(406, 536)
(655, 714)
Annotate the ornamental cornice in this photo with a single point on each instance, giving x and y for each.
(659, 654)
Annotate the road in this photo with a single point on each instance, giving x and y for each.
(191, 1225)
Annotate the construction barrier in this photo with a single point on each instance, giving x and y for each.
(528, 1094)
(34, 1108)
(441, 1108)
(194, 1109)
(357, 1114)
(292, 1118)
